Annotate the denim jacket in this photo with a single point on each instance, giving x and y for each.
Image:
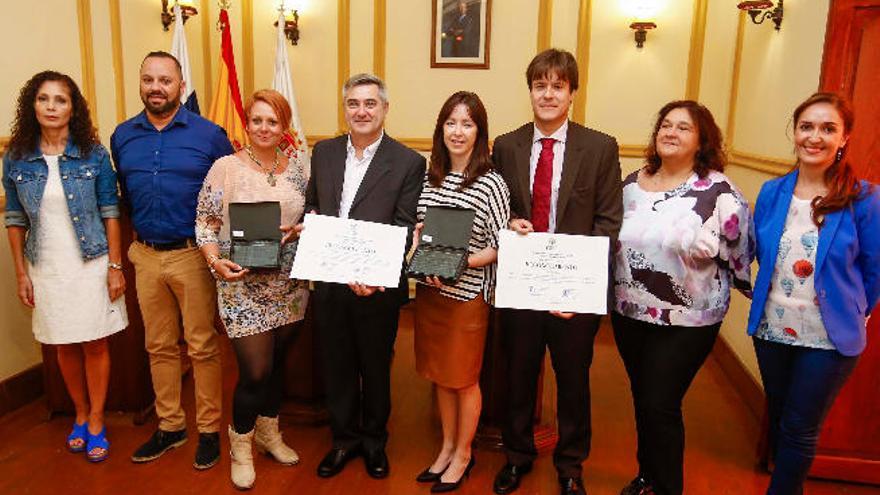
(89, 184)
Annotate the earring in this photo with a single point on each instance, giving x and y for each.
(839, 154)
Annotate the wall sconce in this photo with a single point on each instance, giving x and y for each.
(291, 24)
(641, 31)
(187, 10)
(761, 10)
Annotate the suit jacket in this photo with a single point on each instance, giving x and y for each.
(389, 192)
(590, 200)
(847, 274)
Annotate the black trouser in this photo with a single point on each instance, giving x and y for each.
(525, 335)
(357, 339)
(661, 362)
(260, 386)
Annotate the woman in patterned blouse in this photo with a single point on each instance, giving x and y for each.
(684, 242)
(817, 231)
(451, 320)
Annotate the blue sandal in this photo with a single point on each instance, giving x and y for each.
(78, 432)
(98, 441)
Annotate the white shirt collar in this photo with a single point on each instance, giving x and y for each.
(369, 151)
(559, 135)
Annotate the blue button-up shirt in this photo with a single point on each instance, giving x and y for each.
(161, 172)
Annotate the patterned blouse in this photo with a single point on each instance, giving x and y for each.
(261, 300)
(791, 315)
(489, 198)
(680, 251)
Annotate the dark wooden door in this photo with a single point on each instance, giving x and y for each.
(849, 445)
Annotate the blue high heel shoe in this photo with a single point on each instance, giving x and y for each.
(78, 432)
(98, 441)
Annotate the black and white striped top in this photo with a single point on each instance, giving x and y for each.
(489, 198)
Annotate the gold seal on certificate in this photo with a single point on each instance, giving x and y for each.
(552, 272)
(340, 250)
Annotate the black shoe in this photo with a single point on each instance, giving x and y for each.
(208, 452)
(161, 442)
(572, 486)
(638, 486)
(507, 480)
(376, 463)
(428, 476)
(334, 461)
(442, 487)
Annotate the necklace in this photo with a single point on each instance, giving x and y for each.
(270, 174)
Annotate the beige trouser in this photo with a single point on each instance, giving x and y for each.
(175, 287)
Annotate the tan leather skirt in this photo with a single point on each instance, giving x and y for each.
(450, 336)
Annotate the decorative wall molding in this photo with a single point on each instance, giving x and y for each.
(695, 54)
(545, 24)
(343, 48)
(582, 54)
(207, 26)
(21, 388)
(734, 83)
(631, 150)
(379, 26)
(749, 389)
(118, 61)
(4, 142)
(247, 43)
(774, 166)
(87, 55)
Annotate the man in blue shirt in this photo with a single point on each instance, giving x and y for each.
(162, 156)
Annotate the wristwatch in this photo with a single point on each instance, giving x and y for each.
(115, 266)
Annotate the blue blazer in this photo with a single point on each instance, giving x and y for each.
(847, 275)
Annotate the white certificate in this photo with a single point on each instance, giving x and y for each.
(552, 272)
(340, 250)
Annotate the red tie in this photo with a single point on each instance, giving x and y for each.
(541, 187)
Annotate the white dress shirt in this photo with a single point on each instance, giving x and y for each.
(558, 155)
(355, 169)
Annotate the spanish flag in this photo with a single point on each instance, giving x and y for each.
(226, 109)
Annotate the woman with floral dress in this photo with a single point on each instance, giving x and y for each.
(683, 244)
(261, 310)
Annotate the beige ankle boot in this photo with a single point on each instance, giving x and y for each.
(241, 459)
(267, 438)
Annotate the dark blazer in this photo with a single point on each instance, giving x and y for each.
(388, 194)
(590, 200)
(847, 275)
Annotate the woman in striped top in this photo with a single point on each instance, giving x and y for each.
(451, 321)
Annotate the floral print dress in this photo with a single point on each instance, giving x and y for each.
(680, 251)
(261, 300)
(792, 315)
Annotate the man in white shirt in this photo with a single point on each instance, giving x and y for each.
(362, 175)
(563, 178)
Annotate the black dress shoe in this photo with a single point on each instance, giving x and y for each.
(376, 463)
(162, 441)
(638, 486)
(572, 486)
(428, 476)
(507, 480)
(443, 487)
(334, 461)
(208, 452)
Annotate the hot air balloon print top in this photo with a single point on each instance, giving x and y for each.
(791, 315)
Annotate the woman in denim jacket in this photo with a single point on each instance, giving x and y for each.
(62, 219)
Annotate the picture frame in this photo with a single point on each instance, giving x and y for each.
(460, 32)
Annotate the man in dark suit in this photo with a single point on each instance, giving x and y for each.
(362, 175)
(563, 178)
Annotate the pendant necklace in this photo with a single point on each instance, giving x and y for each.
(270, 174)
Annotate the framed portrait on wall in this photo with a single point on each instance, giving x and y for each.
(460, 34)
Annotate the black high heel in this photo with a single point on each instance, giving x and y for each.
(442, 487)
(428, 476)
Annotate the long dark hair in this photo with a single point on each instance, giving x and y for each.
(481, 161)
(710, 154)
(843, 185)
(26, 129)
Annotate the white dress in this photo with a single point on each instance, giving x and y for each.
(71, 301)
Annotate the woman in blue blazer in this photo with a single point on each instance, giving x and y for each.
(817, 231)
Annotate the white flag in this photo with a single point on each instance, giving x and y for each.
(178, 49)
(283, 83)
